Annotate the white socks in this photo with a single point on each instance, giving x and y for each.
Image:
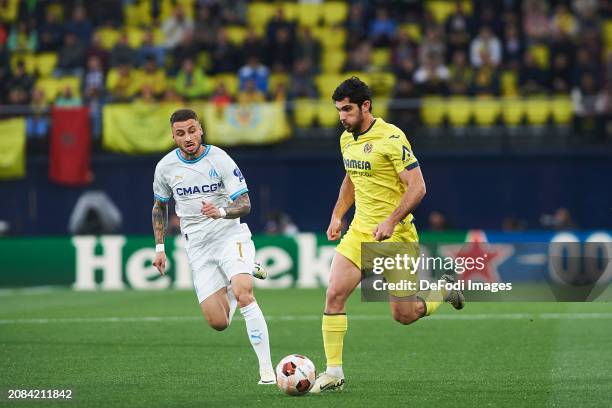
(257, 329)
(336, 371)
(233, 303)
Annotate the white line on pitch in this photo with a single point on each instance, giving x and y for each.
(157, 319)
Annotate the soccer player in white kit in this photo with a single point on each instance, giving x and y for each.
(211, 195)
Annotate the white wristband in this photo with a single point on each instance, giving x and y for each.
(222, 212)
(160, 248)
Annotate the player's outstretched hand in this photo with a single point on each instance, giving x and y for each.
(383, 230)
(160, 262)
(210, 210)
(333, 231)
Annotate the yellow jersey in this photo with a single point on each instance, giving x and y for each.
(373, 160)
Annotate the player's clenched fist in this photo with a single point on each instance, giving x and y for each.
(210, 210)
(160, 262)
(334, 229)
(383, 230)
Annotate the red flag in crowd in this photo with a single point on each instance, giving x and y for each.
(70, 147)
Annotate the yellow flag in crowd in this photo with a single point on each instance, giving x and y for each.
(235, 124)
(12, 148)
(138, 127)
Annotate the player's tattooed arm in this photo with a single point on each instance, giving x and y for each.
(159, 216)
(240, 207)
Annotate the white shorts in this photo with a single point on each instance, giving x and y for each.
(214, 261)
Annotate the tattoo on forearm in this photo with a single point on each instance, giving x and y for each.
(239, 208)
(159, 216)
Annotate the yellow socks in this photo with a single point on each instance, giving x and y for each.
(334, 328)
(432, 299)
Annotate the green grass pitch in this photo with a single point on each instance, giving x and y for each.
(153, 349)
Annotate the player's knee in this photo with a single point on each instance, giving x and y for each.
(244, 297)
(218, 323)
(405, 317)
(334, 299)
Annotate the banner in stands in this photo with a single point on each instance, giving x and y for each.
(138, 127)
(235, 124)
(12, 148)
(70, 147)
(116, 262)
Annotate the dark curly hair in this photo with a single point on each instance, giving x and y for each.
(183, 115)
(355, 90)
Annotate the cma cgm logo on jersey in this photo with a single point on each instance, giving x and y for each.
(206, 188)
(238, 174)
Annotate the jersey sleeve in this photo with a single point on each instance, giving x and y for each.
(232, 178)
(161, 189)
(400, 153)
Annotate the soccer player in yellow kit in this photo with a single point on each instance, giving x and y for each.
(385, 183)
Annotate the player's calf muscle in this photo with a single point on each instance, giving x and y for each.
(406, 312)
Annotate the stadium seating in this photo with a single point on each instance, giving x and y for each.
(276, 79)
(380, 108)
(413, 31)
(259, 13)
(50, 86)
(331, 38)
(509, 83)
(9, 10)
(327, 114)
(380, 82)
(541, 55)
(562, 110)
(486, 111)
(231, 82)
(459, 111)
(135, 36)
(236, 34)
(45, 63)
(513, 110)
(441, 9)
(326, 22)
(334, 12)
(327, 83)
(333, 61)
(28, 59)
(108, 37)
(167, 8)
(381, 57)
(138, 13)
(607, 35)
(309, 14)
(537, 110)
(433, 111)
(304, 112)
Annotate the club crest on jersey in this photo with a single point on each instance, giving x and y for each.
(238, 174)
(367, 148)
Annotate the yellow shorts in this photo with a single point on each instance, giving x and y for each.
(350, 247)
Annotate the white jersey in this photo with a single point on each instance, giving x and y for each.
(212, 177)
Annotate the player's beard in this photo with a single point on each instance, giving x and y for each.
(190, 153)
(356, 127)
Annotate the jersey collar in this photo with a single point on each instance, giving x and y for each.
(197, 159)
(356, 135)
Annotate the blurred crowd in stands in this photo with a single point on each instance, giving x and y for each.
(73, 53)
